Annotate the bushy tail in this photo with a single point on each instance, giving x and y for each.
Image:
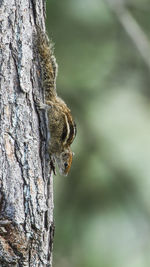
(48, 64)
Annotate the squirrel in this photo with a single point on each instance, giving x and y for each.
(60, 121)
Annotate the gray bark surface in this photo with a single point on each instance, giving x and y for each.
(26, 189)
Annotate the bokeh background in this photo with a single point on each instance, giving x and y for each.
(102, 209)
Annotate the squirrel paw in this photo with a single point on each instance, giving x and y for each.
(40, 105)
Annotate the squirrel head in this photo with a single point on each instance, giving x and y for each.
(64, 161)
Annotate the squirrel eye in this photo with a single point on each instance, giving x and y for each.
(65, 165)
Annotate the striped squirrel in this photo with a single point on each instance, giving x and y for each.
(60, 122)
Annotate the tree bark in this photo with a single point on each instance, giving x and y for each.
(26, 189)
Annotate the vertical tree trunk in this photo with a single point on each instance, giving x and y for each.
(26, 192)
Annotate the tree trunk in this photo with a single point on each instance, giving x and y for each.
(26, 190)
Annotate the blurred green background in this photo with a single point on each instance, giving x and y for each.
(102, 209)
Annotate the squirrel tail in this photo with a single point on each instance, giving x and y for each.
(48, 64)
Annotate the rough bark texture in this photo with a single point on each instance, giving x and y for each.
(26, 192)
